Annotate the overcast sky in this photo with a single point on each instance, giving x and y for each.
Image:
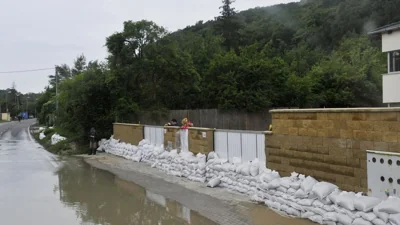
(43, 33)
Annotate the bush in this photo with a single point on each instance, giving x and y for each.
(48, 131)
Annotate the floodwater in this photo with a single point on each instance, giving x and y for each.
(37, 187)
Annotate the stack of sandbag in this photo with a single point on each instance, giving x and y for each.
(103, 144)
(184, 164)
(235, 175)
(55, 138)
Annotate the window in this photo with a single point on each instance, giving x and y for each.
(394, 61)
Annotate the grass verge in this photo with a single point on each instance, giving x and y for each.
(74, 144)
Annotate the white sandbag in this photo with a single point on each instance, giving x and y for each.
(328, 208)
(330, 216)
(327, 222)
(274, 184)
(316, 219)
(291, 191)
(282, 189)
(370, 216)
(293, 212)
(268, 177)
(378, 221)
(285, 182)
(394, 219)
(344, 219)
(300, 194)
(236, 160)
(323, 189)
(306, 202)
(307, 214)
(42, 136)
(245, 170)
(390, 206)
(317, 210)
(317, 203)
(308, 184)
(214, 182)
(360, 221)
(366, 203)
(346, 200)
(295, 185)
(381, 215)
(333, 196)
(212, 155)
(255, 168)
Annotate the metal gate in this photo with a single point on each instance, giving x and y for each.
(154, 134)
(247, 145)
(383, 172)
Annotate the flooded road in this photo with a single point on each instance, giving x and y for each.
(40, 188)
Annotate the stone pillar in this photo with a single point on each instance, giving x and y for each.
(201, 140)
(128, 133)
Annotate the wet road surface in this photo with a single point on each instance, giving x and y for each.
(37, 187)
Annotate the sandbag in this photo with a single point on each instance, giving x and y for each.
(378, 221)
(327, 222)
(282, 189)
(236, 160)
(346, 200)
(285, 182)
(306, 202)
(307, 214)
(317, 203)
(293, 212)
(295, 185)
(323, 189)
(333, 197)
(367, 216)
(300, 194)
(274, 184)
(245, 170)
(360, 221)
(316, 219)
(291, 191)
(344, 219)
(381, 215)
(390, 206)
(214, 182)
(330, 216)
(255, 168)
(365, 203)
(308, 184)
(394, 219)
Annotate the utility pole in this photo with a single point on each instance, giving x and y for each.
(55, 68)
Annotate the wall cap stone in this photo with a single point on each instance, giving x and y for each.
(336, 110)
(202, 128)
(129, 124)
(268, 132)
(383, 153)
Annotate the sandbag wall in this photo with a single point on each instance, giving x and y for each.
(296, 195)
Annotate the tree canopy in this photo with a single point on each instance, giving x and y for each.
(313, 53)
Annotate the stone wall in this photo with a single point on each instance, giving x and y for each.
(128, 133)
(201, 140)
(331, 144)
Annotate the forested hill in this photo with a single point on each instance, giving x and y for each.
(327, 58)
(315, 53)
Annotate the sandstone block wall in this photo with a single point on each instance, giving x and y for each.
(331, 144)
(201, 140)
(128, 133)
(197, 142)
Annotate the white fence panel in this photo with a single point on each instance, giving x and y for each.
(154, 134)
(234, 145)
(246, 145)
(221, 144)
(261, 147)
(249, 146)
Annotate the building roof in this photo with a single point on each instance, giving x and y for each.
(387, 28)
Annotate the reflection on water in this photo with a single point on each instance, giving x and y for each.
(98, 197)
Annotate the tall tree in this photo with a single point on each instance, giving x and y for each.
(228, 25)
(79, 65)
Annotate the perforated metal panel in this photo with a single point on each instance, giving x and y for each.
(383, 169)
(221, 144)
(249, 146)
(261, 147)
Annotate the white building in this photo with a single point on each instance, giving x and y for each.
(391, 45)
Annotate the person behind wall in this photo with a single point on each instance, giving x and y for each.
(174, 123)
(92, 141)
(184, 134)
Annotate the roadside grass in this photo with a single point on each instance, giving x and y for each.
(74, 145)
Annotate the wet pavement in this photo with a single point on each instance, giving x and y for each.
(37, 187)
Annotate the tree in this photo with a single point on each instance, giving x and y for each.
(79, 65)
(228, 25)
